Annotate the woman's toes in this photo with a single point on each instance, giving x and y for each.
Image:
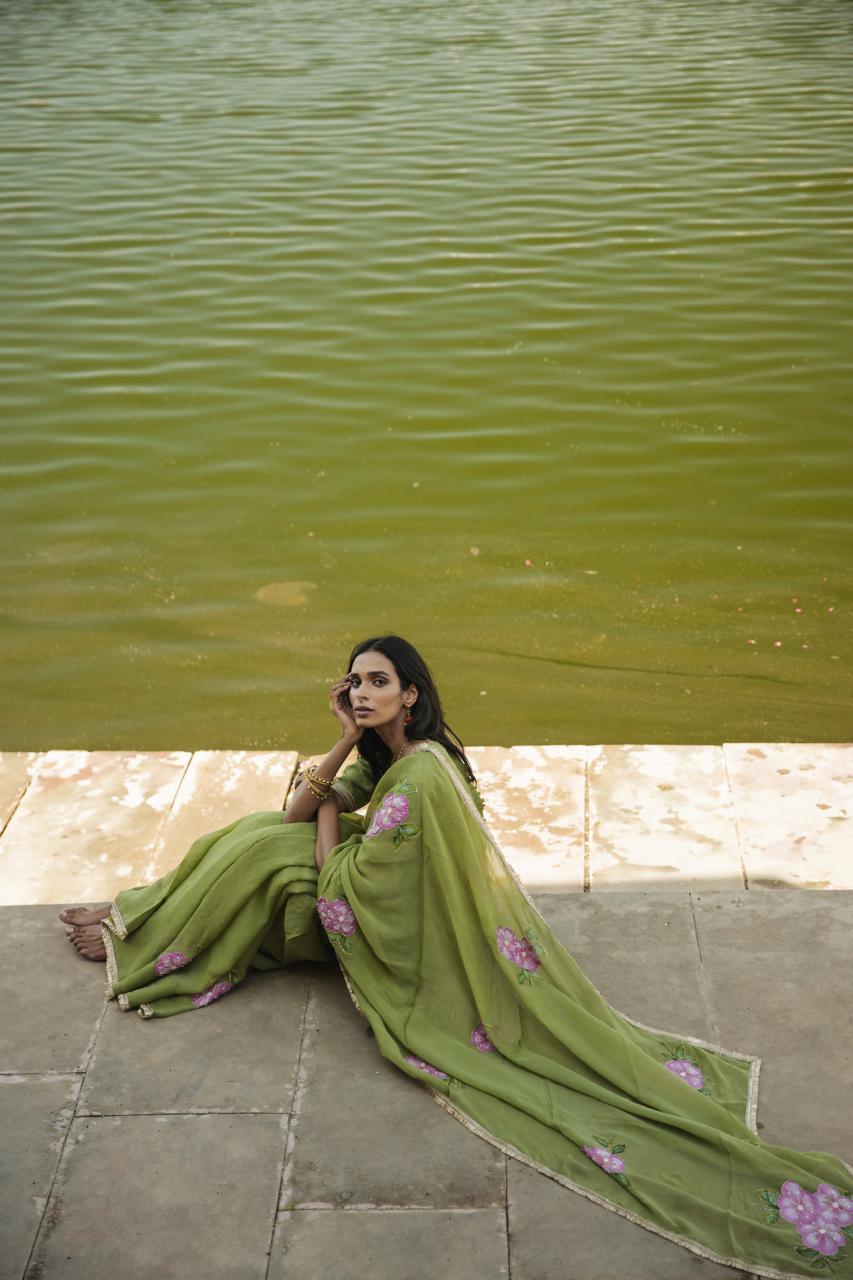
(75, 915)
(93, 951)
(83, 916)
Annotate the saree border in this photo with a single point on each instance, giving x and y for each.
(112, 967)
(144, 1010)
(115, 922)
(750, 1268)
(755, 1067)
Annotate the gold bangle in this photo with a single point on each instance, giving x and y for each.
(312, 769)
(317, 785)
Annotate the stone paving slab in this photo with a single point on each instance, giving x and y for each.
(659, 815)
(553, 1240)
(611, 937)
(189, 1197)
(568, 818)
(87, 818)
(365, 1133)
(386, 1244)
(779, 986)
(534, 804)
(35, 1115)
(52, 1007)
(267, 1016)
(793, 802)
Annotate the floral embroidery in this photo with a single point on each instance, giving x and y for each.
(686, 1070)
(607, 1156)
(212, 993)
(526, 952)
(425, 1066)
(168, 961)
(822, 1218)
(480, 1040)
(682, 1063)
(338, 919)
(392, 813)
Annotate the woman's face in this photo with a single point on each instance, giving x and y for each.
(375, 687)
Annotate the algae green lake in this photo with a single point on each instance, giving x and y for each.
(522, 330)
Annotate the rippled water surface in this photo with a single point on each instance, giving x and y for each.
(520, 329)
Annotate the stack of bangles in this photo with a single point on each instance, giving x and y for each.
(319, 786)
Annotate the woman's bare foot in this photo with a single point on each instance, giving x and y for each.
(89, 942)
(82, 915)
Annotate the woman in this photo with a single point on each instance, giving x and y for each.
(468, 991)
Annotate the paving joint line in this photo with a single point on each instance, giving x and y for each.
(740, 851)
(703, 977)
(299, 1082)
(80, 1075)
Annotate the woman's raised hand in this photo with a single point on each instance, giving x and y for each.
(342, 710)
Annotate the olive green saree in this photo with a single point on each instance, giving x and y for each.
(469, 992)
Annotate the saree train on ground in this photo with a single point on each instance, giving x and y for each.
(468, 990)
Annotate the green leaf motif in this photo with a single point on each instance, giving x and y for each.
(622, 1179)
(533, 938)
(616, 1150)
(405, 832)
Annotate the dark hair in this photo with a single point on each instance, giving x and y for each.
(427, 716)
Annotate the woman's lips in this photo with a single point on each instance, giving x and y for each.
(363, 711)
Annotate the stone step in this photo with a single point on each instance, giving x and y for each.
(78, 826)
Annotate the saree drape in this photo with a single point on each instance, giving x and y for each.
(469, 992)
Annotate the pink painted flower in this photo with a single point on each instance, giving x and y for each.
(392, 812)
(425, 1066)
(686, 1071)
(518, 950)
(825, 1237)
(168, 961)
(795, 1204)
(480, 1040)
(336, 916)
(212, 993)
(609, 1162)
(817, 1215)
(833, 1206)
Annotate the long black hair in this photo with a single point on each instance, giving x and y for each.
(427, 716)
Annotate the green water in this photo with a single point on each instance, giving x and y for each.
(520, 329)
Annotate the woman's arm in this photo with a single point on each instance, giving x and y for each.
(304, 804)
(328, 831)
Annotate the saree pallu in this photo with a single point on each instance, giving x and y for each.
(469, 992)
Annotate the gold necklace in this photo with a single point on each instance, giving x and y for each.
(400, 752)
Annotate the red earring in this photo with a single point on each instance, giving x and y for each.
(407, 718)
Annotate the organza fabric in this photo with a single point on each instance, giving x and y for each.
(469, 992)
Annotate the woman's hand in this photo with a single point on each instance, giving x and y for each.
(342, 710)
